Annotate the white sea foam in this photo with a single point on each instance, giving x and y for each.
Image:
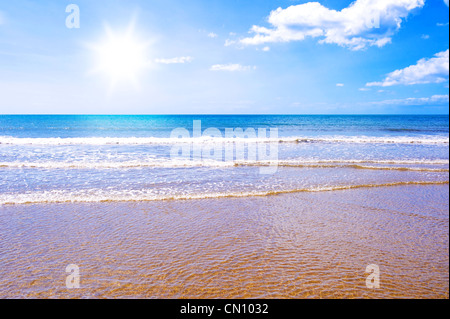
(354, 161)
(98, 141)
(99, 196)
(116, 165)
(183, 163)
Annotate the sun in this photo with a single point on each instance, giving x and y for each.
(121, 57)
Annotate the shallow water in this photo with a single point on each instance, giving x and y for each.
(303, 245)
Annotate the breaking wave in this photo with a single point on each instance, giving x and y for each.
(102, 196)
(180, 163)
(98, 141)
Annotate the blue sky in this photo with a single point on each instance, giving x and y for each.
(227, 57)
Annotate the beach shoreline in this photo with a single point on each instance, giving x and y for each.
(301, 245)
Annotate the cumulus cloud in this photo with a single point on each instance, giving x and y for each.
(434, 70)
(178, 60)
(433, 100)
(364, 23)
(231, 67)
(212, 35)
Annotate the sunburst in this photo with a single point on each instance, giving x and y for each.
(122, 57)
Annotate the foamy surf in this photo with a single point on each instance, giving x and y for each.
(99, 141)
(102, 196)
(116, 165)
(180, 163)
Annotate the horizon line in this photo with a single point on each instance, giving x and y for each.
(237, 114)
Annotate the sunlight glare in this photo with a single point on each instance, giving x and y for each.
(121, 57)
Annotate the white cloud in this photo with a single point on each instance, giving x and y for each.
(212, 35)
(229, 42)
(340, 84)
(231, 67)
(364, 23)
(178, 60)
(364, 89)
(446, 2)
(425, 36)
(442, 24)
(266, 49)
(433, 100)
(434, 70)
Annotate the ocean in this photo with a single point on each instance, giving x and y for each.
(58, 159)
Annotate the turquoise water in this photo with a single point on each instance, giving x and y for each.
(126, 158)
(44, 126)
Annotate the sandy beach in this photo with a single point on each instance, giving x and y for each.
(304, 245)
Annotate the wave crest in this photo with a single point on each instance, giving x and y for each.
(99, 141)
(100, 196)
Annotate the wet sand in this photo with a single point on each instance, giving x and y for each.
(303, 245)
